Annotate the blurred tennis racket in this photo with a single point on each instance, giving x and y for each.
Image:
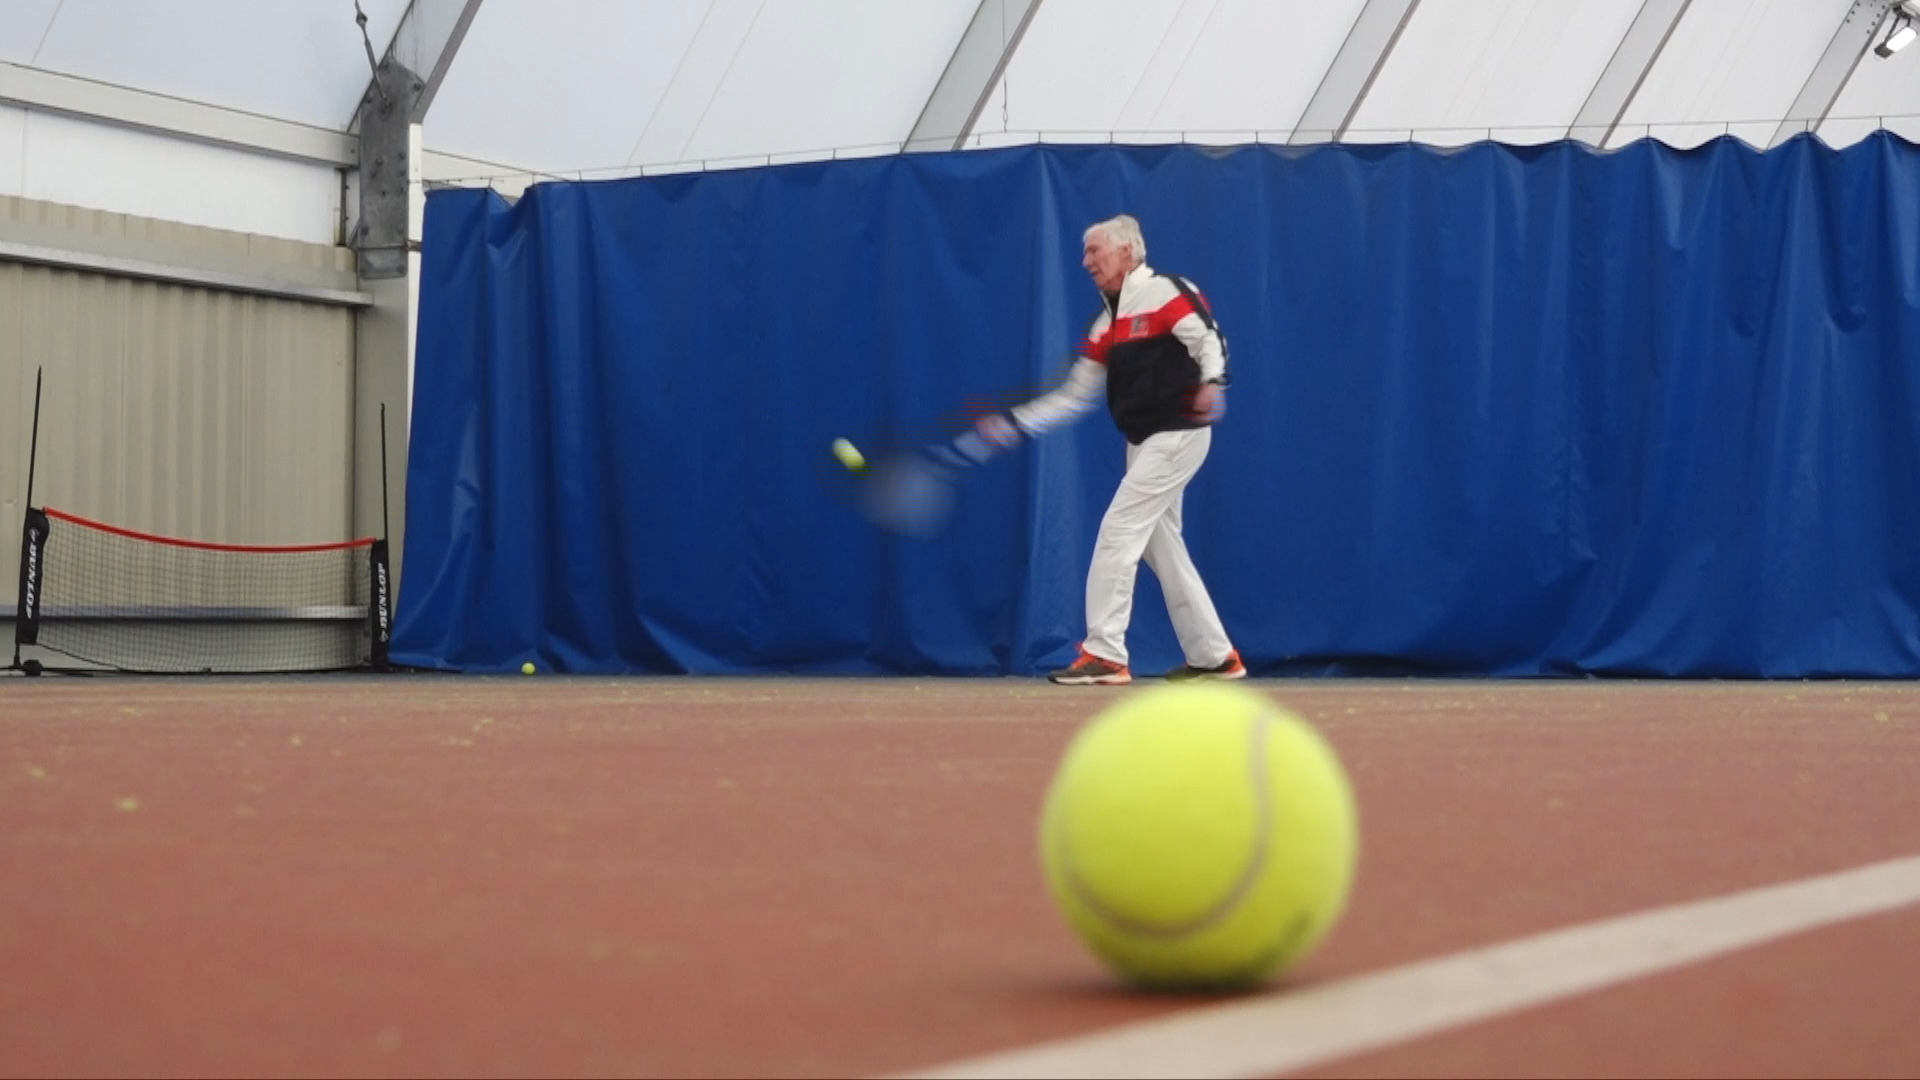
(912, 493)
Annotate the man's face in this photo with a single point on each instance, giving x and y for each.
(1106, 262)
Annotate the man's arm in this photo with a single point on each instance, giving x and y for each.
(1201, 335)
(1202, 338)
(1085, 383)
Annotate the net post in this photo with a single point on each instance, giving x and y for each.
(33, 447)
(26, 614)
(33, 571)
(386, 523)
(380, 611)
(379, 608)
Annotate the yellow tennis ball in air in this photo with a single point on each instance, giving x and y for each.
(526, 668)
(1199, 836)
(849, 455)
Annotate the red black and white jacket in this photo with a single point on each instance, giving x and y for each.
(1150, 349)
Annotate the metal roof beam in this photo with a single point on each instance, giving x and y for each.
(425, 44)
(1632, 60)
(124, 106)
(972, 73)
(392, 108)
(1344, 88)
(1836, 66)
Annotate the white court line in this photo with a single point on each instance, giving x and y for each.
(1285, 1031)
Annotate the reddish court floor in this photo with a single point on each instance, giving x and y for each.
(442, 876)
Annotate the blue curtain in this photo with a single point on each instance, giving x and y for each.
(1496, 410)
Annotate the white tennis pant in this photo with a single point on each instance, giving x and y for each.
(1144, 521)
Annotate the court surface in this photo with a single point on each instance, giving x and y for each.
(419, 875)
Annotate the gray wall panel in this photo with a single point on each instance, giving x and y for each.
(176, 409)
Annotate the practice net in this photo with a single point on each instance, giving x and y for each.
(129, 601)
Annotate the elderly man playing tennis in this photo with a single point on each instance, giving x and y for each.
(1158, 355)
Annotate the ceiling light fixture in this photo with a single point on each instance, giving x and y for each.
(1901, 33)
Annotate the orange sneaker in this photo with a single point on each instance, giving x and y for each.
(1230, 668)
(1089, 670)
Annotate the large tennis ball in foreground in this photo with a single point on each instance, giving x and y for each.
(1199, 836)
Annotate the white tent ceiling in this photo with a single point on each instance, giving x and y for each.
(597, 84)
(1748, 60)
(1212, 68)
(597, 87)
(293, 59)
(1464, 66)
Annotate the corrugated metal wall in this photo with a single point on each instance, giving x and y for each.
(175, 409)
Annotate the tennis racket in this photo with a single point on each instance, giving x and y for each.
(913, 493)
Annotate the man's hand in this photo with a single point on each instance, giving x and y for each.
(1209, 402)
(997, 431)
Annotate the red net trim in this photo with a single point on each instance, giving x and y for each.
(74, 519)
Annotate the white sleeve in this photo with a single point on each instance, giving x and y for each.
(1203, 344)
(1086, 382)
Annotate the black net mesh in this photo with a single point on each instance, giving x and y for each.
(132, 602)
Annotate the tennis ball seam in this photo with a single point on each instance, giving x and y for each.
(1262, 960)
(1222, 909)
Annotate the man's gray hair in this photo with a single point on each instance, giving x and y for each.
(1120, 230)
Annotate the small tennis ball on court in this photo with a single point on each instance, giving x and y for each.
(1199, 836)
(849, 455)
(526, 668)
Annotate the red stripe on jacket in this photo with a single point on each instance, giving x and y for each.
(1137, 327)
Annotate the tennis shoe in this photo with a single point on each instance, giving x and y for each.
(1089, 670)
(1230, 668)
